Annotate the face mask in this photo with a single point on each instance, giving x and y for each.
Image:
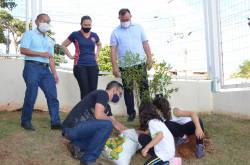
(44, 27)
(115, 98)
(125, 24)
(86, 30)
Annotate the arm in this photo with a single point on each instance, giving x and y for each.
(152, 143)
(181, 113)
(99, 47)
(53, 69)
(118, 126)
(99, 114)
(115, 67)
(147, 50)
(31, 53)
(64, 45)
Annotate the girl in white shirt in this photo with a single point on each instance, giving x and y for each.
(157, 140)
(181, 123)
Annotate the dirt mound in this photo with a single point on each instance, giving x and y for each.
(187, 151)
(4, 155)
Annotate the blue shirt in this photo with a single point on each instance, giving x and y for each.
(84, 48)
(128, 40)
(36, 41)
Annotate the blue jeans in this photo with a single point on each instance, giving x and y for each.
(90, 136)
(35, 76)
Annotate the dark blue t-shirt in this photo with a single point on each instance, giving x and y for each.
(84, 48)
(85, 109)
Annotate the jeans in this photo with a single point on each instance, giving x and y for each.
(128, 93)
(39, 76)
(90, 136)
(87, 78)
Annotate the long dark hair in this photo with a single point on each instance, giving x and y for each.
(147, 112)
(162, 104)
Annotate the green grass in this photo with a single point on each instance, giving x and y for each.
(229, 142)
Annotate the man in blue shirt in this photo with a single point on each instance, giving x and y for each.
(38, 49)
(130, 38)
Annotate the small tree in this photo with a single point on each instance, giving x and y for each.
(244, 70)
(161, 80)
(157, 83)
(103, 59)
(133, 76)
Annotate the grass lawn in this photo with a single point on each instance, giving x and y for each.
(228, 142)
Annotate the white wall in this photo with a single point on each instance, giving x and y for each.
(193, 95)
(12, 88)
(235, 102)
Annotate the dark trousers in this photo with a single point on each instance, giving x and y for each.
(128, 92)
(179, 130)
(35, 76)
(90, 136)
(87, 78)
(154, 160)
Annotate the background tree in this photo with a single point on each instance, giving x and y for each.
(12, 25)
(2, 37)
(244, 70)
(9, 4)
(104, 59)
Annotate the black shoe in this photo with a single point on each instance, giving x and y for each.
(131, 117)
(28, 126)
(75, 151)
(56, 126)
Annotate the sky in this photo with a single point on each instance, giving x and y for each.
(175, 28)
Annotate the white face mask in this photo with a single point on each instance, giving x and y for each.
(44, 27)
(125, 24)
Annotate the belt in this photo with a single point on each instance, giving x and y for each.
(38, 63)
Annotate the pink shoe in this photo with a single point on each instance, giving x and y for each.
(175, 161)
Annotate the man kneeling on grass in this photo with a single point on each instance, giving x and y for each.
(90, 123)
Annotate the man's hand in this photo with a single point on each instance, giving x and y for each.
(121, 128)
(116, 71)
(56, 78)
(46, 55)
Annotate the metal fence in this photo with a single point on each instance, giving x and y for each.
(235, 39)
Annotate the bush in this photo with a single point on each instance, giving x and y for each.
(104, 61)
(59, 55)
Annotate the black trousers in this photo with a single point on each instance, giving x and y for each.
(87, 78)
(128, 92)
(179, 130)
(154, 160)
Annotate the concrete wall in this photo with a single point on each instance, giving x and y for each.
(235, 102)
(12, 88)
(193, 95)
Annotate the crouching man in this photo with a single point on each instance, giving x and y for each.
(90, 123)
